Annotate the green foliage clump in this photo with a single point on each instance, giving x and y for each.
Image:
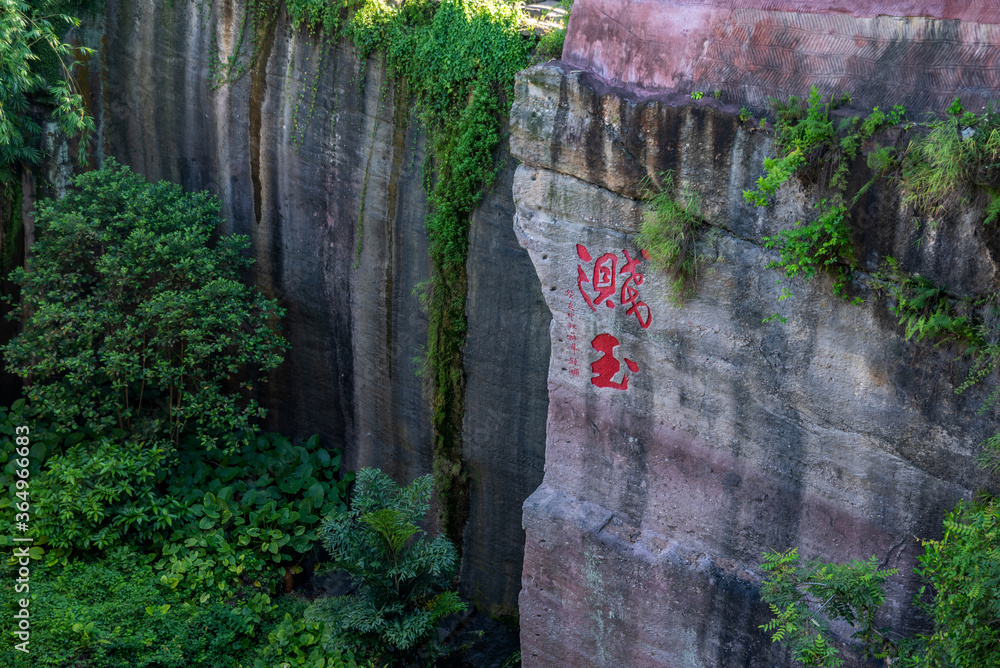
(803, 128)
(851, 592)
(404, 582)
(113, 613)
(963, 569)
(216, 517)
(298, 643)
(26, 30)
(249, 513)
(956, 163)
(668, 233)
(217, 526)
(318, 15)
(824, 243)
(807, 139)
(134, 318)
(924, 309)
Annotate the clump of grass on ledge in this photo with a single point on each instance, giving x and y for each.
(956, 163)
(669, 231)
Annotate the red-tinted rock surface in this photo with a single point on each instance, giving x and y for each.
(918, 54)
(684, 442)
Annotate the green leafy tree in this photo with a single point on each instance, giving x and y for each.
(26, 28)
(134, 317)
(403, 580)
(800, 593)
(963, 569)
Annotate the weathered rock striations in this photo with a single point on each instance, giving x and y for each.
(317, 156)
(882, 52)
(683, 442)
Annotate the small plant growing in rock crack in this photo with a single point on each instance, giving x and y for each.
(924, 308)
(927, 311)
(697, 95)
(807, 140)
(955, 164)
(669, 232)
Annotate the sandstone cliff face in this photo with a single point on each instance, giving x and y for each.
(317, 156)
(683, 442)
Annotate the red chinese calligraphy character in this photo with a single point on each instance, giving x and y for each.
(604, 277)
(637, 309)
(629, 295)
(581, 278)
(608, 366)
(574, 372)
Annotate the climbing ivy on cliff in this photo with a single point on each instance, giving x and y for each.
(458, 59)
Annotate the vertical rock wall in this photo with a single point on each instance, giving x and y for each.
(317, 156)
(685, 441)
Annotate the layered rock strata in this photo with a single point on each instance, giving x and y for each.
(881, 52)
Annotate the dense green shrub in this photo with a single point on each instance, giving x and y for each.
(134, 318)
(403, 581)
(297, 643)
(963, 570)
(250, 514)
(216, 517)
(114, 613)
